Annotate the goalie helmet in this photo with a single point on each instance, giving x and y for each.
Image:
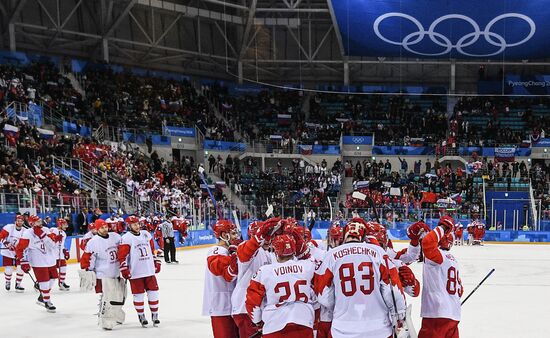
(355, 228)
(222, 226)
(284, 245)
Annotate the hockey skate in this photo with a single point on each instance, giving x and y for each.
(8, 286)
(64, 287)
(142, 320)
(155, 318)
(49, 307)
(40, 300)
(19, 288)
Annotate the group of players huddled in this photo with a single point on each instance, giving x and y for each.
(111, 249)
(282, 283)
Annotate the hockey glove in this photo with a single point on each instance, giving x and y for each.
(416, 232)
(125, 272)
(39, 232)
(406, 276)
(233, 266)
(157, 265)
(66, 254)
(25, 266)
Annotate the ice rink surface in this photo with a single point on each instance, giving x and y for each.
(513, 302)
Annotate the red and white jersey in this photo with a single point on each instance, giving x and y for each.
(85, 239)
(353, 281)
(115, 224)
(218, 283)
(9, 237)
(250, 258)
(39, 252)
(137, 252)
(101, 256)
(407, 255)
(60, 244)
(441, 287)
(316, 252)
(280, 294)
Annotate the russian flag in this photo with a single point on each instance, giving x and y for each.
(306, 149)
(45, 133)
(12, 134)
(284, 119)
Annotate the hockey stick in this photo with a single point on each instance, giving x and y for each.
(218, 210)
(36, 286)
(474, 290)
(392, 295)
(257, 334)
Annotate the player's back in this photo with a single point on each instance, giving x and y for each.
(288, 294)
(442, 288)
(359, 310)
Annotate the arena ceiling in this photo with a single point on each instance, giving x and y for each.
(281, 41)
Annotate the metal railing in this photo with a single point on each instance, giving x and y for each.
(48, 203)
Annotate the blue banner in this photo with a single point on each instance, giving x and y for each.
(224, 146)
(161, 140)
(395, 150)
(527, 85)
(358, 140)
(543, 142)
(180, 131)
(490, 29)
(468, 151)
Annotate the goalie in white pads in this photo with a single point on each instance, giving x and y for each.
(100, 256)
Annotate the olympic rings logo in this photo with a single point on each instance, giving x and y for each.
(358, 140)
(441, 40)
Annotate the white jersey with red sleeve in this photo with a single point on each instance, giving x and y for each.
(441, 287)
(218, 283)
(281, 294)
(137, 251)
(61, 244)
(101, 256)
(353, 281)
(112, 223)
(250, 258)
(406, 255)
(40, 252)
(9, 237)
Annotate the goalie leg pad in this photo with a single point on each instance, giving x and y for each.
(112, 300)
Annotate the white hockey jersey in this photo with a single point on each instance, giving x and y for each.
(137, 251)
(280, 294)
(353, 281)
(442, 286)
(39, 252)
(9, 237)
(218, 283)
(61, 244)
(102, 254)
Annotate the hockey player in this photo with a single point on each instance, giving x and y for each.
(459, 234)
(62, 254)
(115, 223)
(479, 233)
(180, 225)
(442, 286)
(40, 247)
(279, 297)
(9, 237)
(139, 264)
(251, 254)
(362, 288)
(100, 256)
(220, 279)
(334, 237)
